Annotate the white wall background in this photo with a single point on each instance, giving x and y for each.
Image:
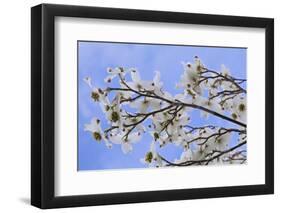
(15, 105)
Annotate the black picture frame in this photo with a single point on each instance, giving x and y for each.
(43, 105)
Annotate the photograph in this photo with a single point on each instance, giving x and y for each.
(146, 105)
(140, 105)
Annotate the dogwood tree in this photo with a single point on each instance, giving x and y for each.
(136, 107)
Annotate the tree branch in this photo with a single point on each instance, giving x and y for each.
(206, 161)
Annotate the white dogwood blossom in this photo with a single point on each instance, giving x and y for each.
(126, 143)
(95, 128)
(138, 106)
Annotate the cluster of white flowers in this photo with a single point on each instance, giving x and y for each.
(139, 106)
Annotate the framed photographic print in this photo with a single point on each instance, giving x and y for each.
(139, 106)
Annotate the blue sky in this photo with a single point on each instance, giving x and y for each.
(93, 60)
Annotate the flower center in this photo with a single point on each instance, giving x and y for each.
(148, 157)
(156, 136)
(199, 68)
(114, 116)
(234, 116)
(95, 96)
(242, 107)
(97, 136)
